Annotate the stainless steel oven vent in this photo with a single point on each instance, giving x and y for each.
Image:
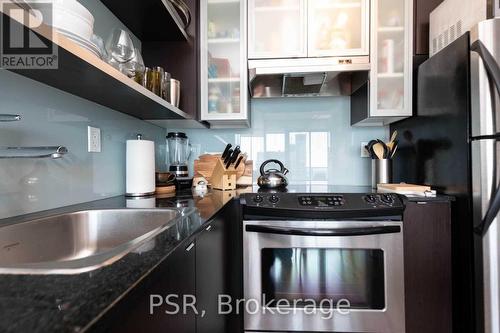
(307, 77)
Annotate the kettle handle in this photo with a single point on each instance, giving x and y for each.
(283, 169)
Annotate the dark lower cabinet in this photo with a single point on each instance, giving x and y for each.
(201, 268)
(428, 282)
(175, 276)
(210, 276)
(219, 271)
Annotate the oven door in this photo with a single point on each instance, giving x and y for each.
(324, 276)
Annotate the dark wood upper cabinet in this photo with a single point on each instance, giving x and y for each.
(166, 43)
(181, 60)
(421, 12)
(150, 20)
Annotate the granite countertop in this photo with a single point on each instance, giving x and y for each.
(72, 303)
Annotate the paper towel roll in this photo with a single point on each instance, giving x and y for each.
(140, 167)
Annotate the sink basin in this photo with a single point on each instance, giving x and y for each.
(78, 242)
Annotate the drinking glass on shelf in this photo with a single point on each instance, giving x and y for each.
(166, 87)
(154, 80)
(147, 77)
(175, 92)
(134, 68)
(120, 47)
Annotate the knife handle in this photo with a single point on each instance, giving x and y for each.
(238, 162)
(236, 153)
(226, 150)
(232, 159)
(228, 156)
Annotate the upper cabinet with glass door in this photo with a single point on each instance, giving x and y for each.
(391, 53)
(277, 29)
(338, 27)
(224, 97)
(391, 58)
(308, 28)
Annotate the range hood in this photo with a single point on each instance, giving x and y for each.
(307, 77)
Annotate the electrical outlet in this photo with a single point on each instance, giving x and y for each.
(94, 139)
(364, 152)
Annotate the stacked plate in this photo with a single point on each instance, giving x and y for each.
(86, 44)
(72, 20)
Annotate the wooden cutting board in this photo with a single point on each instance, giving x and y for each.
(404, 187)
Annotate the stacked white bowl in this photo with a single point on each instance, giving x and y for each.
(73, 20)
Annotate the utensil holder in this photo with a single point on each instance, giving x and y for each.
(222, 178)
(381, 172)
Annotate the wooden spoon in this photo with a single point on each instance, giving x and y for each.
(394, 136)
(391, 142)
(379, 150)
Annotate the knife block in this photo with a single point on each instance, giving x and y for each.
(222, 178)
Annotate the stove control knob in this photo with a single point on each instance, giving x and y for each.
(258, 199)
(387, 198)
(274, 199)
(370, 198)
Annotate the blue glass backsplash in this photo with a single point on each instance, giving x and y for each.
(311, 136)
(52, 117)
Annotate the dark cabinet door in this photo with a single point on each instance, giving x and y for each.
(422, 10)
(211, 271)
(427, 247)
(175, 276)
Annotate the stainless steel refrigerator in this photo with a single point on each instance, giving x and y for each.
(453, 144)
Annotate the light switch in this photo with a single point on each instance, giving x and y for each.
(94, 139)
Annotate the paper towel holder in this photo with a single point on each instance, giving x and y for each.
(140, 191)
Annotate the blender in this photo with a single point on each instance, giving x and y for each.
(179, 151)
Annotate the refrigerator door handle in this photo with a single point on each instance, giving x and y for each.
(493, 71)
(489, 62)
(491, 214)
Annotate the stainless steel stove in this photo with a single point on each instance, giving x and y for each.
(323, 262)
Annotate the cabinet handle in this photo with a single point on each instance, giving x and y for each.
(208, 228)
(190, 247)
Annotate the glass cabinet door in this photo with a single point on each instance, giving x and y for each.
(338, 27)
(277, 29)
(391, 59)
(223, 60)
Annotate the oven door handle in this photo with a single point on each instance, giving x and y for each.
(363, 231)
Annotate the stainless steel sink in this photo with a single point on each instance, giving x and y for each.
(80, 241)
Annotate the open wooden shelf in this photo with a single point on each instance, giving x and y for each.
(83, 74)
(149, 20)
